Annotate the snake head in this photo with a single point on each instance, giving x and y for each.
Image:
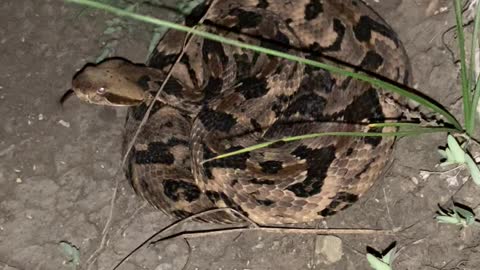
(114, 82)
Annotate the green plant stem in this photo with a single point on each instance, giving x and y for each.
(401, 124)
(463, 64)
(316, 135)
(470, 127)
(373, 81)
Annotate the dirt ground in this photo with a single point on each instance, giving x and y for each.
(58, 167)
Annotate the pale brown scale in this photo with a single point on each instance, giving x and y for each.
(222, 98)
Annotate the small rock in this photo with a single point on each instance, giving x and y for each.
(64, 123)
(328, 249)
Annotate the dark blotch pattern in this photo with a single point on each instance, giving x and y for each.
(261, 182)
(256, 126)
(158, 152)
(160, 61)
(313, 9)
(318, 79)
(180, 190)
(252, 87)
(318, 161)
(339, 28)
(216, 121)
(271, 166)
(246, 19)
(172, 87)
(279, 104)
(234, 162)
(243, 65)
(366, 106)
(364, 28)
(372, 61)
(263, 4)
(307, 105)
(373, 141)
(143, 82)
(213, 88)
(341, 197)
(191, 72)
(278, 43)
(211, 48)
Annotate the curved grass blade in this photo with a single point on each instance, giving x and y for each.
(457, 151)
(463, 62)
(470, 126)
(473, 168)
(474, 45)
(316, 135)
(400, 125)
(377, 263)
(373, 81)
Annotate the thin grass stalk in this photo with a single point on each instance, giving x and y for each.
(474, 45)
(316, 135)
(373, 81)
(470, 127)
(476, 97)
(400, 125)
(463, 62)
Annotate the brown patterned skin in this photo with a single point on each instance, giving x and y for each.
(221, 98)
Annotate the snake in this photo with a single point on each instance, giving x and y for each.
(219, 98)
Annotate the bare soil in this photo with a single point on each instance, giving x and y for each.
(59, 167)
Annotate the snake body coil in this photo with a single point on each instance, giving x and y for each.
(222, 98)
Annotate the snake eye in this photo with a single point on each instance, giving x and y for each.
(101, 90)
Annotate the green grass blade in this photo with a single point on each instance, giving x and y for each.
(474, 45)
(374, 81)
(470, 127)
(316, 135)
(463, 62)
(404, 125)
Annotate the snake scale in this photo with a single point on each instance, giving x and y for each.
(222, 98)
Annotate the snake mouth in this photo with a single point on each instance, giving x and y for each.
(119, 100)
(66, 96)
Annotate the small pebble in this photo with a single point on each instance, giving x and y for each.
(414, 180)
(19, 180)
(40, 117)
(328, 248)
(64, 123)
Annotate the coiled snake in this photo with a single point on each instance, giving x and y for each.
(222, 98)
